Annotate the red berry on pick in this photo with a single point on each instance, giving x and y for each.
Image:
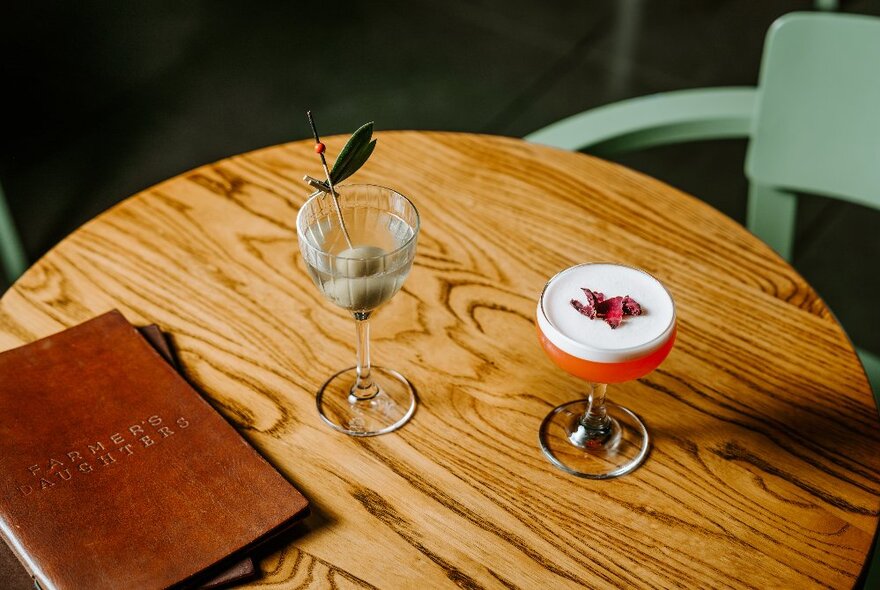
(319, 148)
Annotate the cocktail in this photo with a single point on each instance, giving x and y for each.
(359, 266)
(604, 323)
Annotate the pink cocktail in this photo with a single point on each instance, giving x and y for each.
(589, 437)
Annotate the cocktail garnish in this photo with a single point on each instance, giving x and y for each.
(587, 310)
(631, 306)
(593, 297)
(611, 310)
(352, 157)
(593, 300)
(319, 149)
(354, 154)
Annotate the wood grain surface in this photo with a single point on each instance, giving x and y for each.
(764, 470)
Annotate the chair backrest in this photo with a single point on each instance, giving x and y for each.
(817, 122)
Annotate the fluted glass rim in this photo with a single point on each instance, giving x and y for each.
(302, 233)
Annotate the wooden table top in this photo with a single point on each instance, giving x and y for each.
(764, 470)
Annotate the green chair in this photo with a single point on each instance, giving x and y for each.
(812, 124)
(12, 258)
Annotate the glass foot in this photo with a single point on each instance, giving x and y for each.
(616, 452)
(385, 412)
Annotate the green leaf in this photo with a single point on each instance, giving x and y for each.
(352, 152)
(354, 163)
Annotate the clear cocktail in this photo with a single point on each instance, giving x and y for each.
(360, 272)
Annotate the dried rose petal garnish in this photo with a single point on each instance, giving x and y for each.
(593, 297)
(611, 310)
(631, 306)
(587, 310)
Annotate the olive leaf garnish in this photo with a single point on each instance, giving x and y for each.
(354, 153)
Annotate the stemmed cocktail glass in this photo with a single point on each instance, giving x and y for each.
(359, 272)
(590, 437)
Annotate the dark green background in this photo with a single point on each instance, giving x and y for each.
(105, 98)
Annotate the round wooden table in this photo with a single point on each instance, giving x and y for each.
(764, 469)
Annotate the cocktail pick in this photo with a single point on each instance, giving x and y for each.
(319, 149)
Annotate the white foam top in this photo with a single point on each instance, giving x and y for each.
(594, 339)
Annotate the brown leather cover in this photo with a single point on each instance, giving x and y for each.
(245, 569)
(14, 577)
(115, 473)
(239, 573)
(159, 341)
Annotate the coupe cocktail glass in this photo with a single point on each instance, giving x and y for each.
(383, 226)
(590, 437)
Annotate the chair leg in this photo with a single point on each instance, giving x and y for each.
(12, 257)
(771, 217)
(628, 17)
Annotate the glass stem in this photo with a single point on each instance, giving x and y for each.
(364, 388)
(594, 426)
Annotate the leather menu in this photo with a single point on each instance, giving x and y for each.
(242, 570)
(14, 577)
(114, 472)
